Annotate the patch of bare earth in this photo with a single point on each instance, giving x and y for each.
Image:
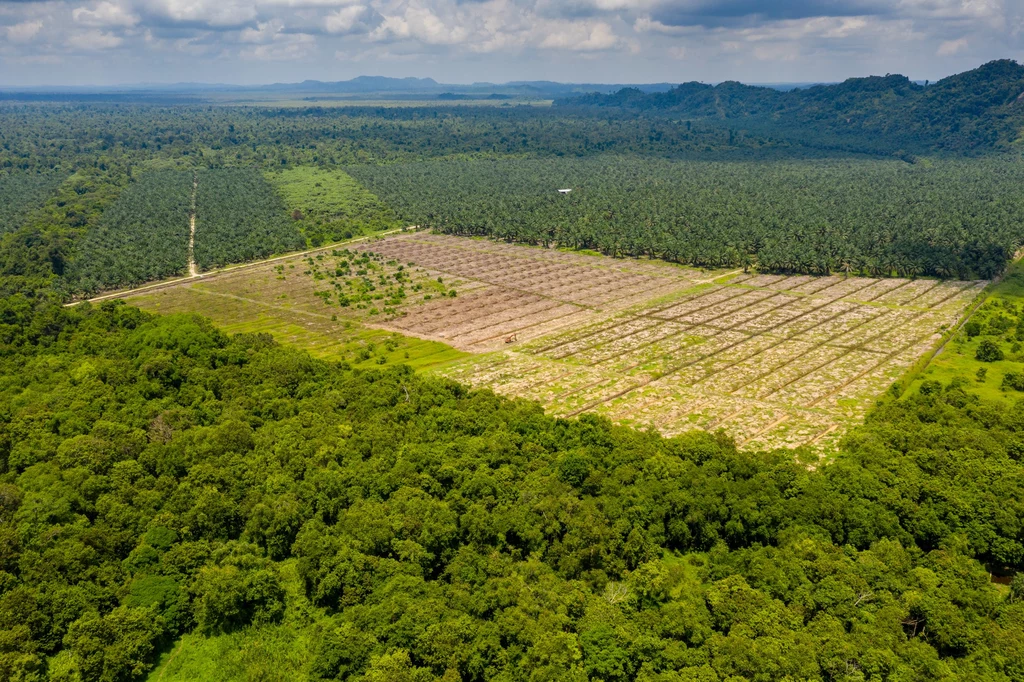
(774, 360)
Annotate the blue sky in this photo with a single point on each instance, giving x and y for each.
(459, 41)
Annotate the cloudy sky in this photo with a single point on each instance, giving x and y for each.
(460, 41)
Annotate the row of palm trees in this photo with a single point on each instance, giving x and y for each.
(949, 219)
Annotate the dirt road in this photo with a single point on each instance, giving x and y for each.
(193, 271)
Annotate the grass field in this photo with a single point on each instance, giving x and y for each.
(999, 320)
(775, 361)
(332, 205)
(297, 301)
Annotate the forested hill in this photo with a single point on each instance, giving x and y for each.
(973, 112)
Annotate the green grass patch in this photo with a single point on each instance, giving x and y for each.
(330, 339)
(999, 322)
(329, 205)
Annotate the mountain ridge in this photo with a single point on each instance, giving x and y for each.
(973, 111)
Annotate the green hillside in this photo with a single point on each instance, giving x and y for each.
(970, 113)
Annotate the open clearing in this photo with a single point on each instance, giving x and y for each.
(773, 360)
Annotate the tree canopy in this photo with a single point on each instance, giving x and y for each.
(159, 477)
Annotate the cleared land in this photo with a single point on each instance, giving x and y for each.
(773, 360)
(326, 302)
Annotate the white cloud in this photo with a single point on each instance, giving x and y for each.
(645, 24)
(952, 47)
(210, 13)
(271, 42)
(346, 20)
(105, 14)
(420, 23)
(581, 37)
(94, 40)
(24, 32)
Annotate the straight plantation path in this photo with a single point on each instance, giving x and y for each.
(193, 271)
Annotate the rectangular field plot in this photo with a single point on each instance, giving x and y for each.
(773, 360)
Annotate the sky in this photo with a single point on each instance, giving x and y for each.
(109, 42)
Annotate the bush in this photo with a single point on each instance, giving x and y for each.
(244, 589)
(117, 646)
(988, 351)
(1014, 381)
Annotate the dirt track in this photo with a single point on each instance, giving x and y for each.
(193, 271)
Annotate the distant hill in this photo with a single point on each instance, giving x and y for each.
(969, 113)
(377, 86)
(360, 84)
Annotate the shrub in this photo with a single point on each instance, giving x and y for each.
(1014, 381)
(988, 351)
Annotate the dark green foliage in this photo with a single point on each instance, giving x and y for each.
(23, 192)
(951, 219)
(1013, 381)
(35, 254)
(989, 351)
(240, 588)
(239, 218)
(143, 236)
(157, 474)
(115, 647)
(339, 651)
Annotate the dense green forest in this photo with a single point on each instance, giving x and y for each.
(45, 136)
(143, 236)
(948, 219)
(240, 218)
(159, 478)
(968, 113)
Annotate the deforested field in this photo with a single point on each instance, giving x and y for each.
(774, 360)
